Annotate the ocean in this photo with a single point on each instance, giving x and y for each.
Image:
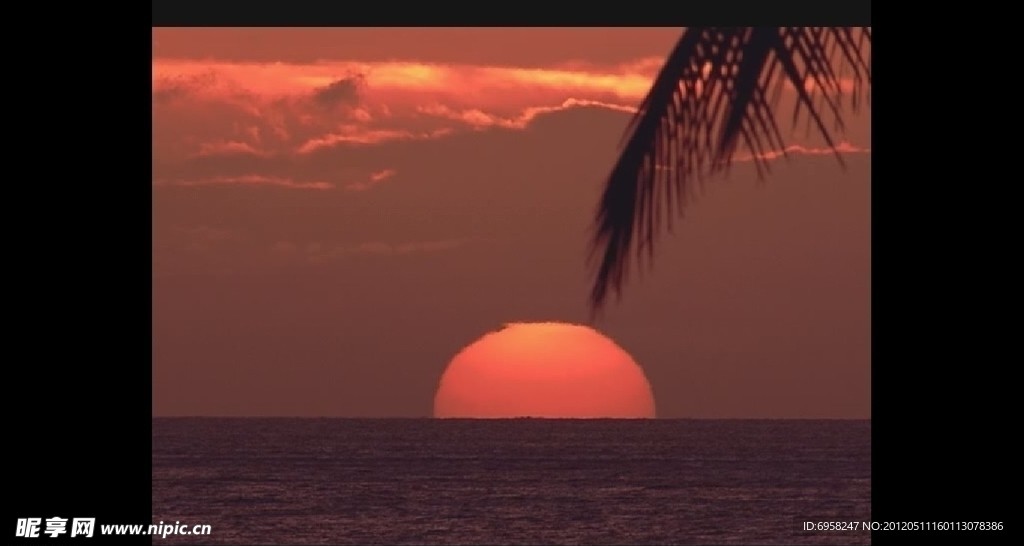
(515, 481)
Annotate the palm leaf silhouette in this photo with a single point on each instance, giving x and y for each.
(718, 87)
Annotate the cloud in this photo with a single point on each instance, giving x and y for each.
(375, 178)
(301, 108)
(842, 147)
(481, 119)
(188, 247)
(404, 82)
(209, 234)
(362, 114)
(344, 91)
(228, 147)
(173, 87)
(324, 125)
(427, 246)
(318, 253)
(354, 134)
(405, 198)
(248, 180)
(396, 87)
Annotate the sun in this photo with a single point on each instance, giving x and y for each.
(544, 369)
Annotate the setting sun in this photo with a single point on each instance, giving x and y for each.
(546, 369)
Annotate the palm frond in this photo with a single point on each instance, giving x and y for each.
(719, 87)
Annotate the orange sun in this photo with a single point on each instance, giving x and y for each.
(544, 369)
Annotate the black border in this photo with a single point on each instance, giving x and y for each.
(941, 443)
(81, 433)
(80, 364)
(314, 13)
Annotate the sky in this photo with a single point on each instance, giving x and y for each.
(337, 212)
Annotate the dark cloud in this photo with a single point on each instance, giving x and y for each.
(344, 91)
(166, 90)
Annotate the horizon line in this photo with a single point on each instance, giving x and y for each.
(430, 418)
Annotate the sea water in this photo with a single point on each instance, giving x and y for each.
(517, 481)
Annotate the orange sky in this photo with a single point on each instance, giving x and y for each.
(336, 212)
